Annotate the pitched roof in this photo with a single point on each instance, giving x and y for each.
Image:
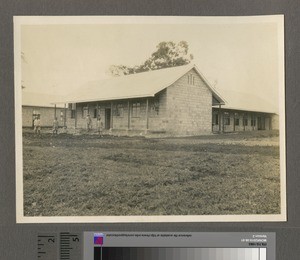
(35, 99)
(246, 101)
(144, 84)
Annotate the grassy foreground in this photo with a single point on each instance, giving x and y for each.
(91, 176)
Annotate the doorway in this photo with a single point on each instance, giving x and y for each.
(260, 123)
(107, 118)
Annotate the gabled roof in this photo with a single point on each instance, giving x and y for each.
(246, 102)
(35, 99)
(144, 84)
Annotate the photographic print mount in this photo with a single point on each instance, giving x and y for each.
(193, 132)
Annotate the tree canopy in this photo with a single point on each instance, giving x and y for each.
(167, 54)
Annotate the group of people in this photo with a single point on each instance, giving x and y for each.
(99, 124)
(37, 125)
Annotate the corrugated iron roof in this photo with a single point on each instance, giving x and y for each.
(246, 101)
(35, 99)
(144, 84)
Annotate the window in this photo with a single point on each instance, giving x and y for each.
(95, 113)
(226, 119)
(245, 121)
(136, 107)
(73, 110)
(237, 121)
(84, 111)
(119, 110)
(155, 104)
(253, 121)
(191, 79)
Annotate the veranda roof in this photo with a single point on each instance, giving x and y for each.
(247, 102)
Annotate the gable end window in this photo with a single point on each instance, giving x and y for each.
(191, 79)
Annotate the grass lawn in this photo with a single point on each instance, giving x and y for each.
(90, 176)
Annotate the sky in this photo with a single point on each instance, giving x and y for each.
(59, 58)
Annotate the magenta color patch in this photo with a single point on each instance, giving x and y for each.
(98, 240)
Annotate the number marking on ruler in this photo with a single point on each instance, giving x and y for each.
(70, 246)
(47, 246)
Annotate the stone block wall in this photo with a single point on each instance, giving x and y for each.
(158, 112)
(189, 106)
(137, 121)
(46, 115)
(275, 121)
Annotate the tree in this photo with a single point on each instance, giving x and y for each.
(168, 54)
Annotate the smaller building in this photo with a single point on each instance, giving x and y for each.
(244, 112)
(41, 106)
(233, 120)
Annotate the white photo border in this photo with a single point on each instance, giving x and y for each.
(47, 20)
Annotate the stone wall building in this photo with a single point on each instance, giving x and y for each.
(41, 105)
(176, 101)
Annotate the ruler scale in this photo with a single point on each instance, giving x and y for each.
(70, 246)
(47, 246)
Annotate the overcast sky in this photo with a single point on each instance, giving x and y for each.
(239, 56)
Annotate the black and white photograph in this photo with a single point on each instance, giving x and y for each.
(149, 119)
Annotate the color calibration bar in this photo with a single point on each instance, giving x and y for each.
(179, 246)
(146, 253)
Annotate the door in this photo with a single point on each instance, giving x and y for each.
(107, 118)
(260, 123)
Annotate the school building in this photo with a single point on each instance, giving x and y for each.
(175, 101)
(41, 106)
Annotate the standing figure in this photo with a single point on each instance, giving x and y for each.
(88, 123)
(37, 125)
(99, 126)
(55, 126)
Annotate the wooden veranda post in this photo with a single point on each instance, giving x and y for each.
(223, 122)
(111, 115)
(75, 106)
(128, 111)
(219, 118)
(65, 114)
(234, 122)
(54, 111)
(147, 114)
